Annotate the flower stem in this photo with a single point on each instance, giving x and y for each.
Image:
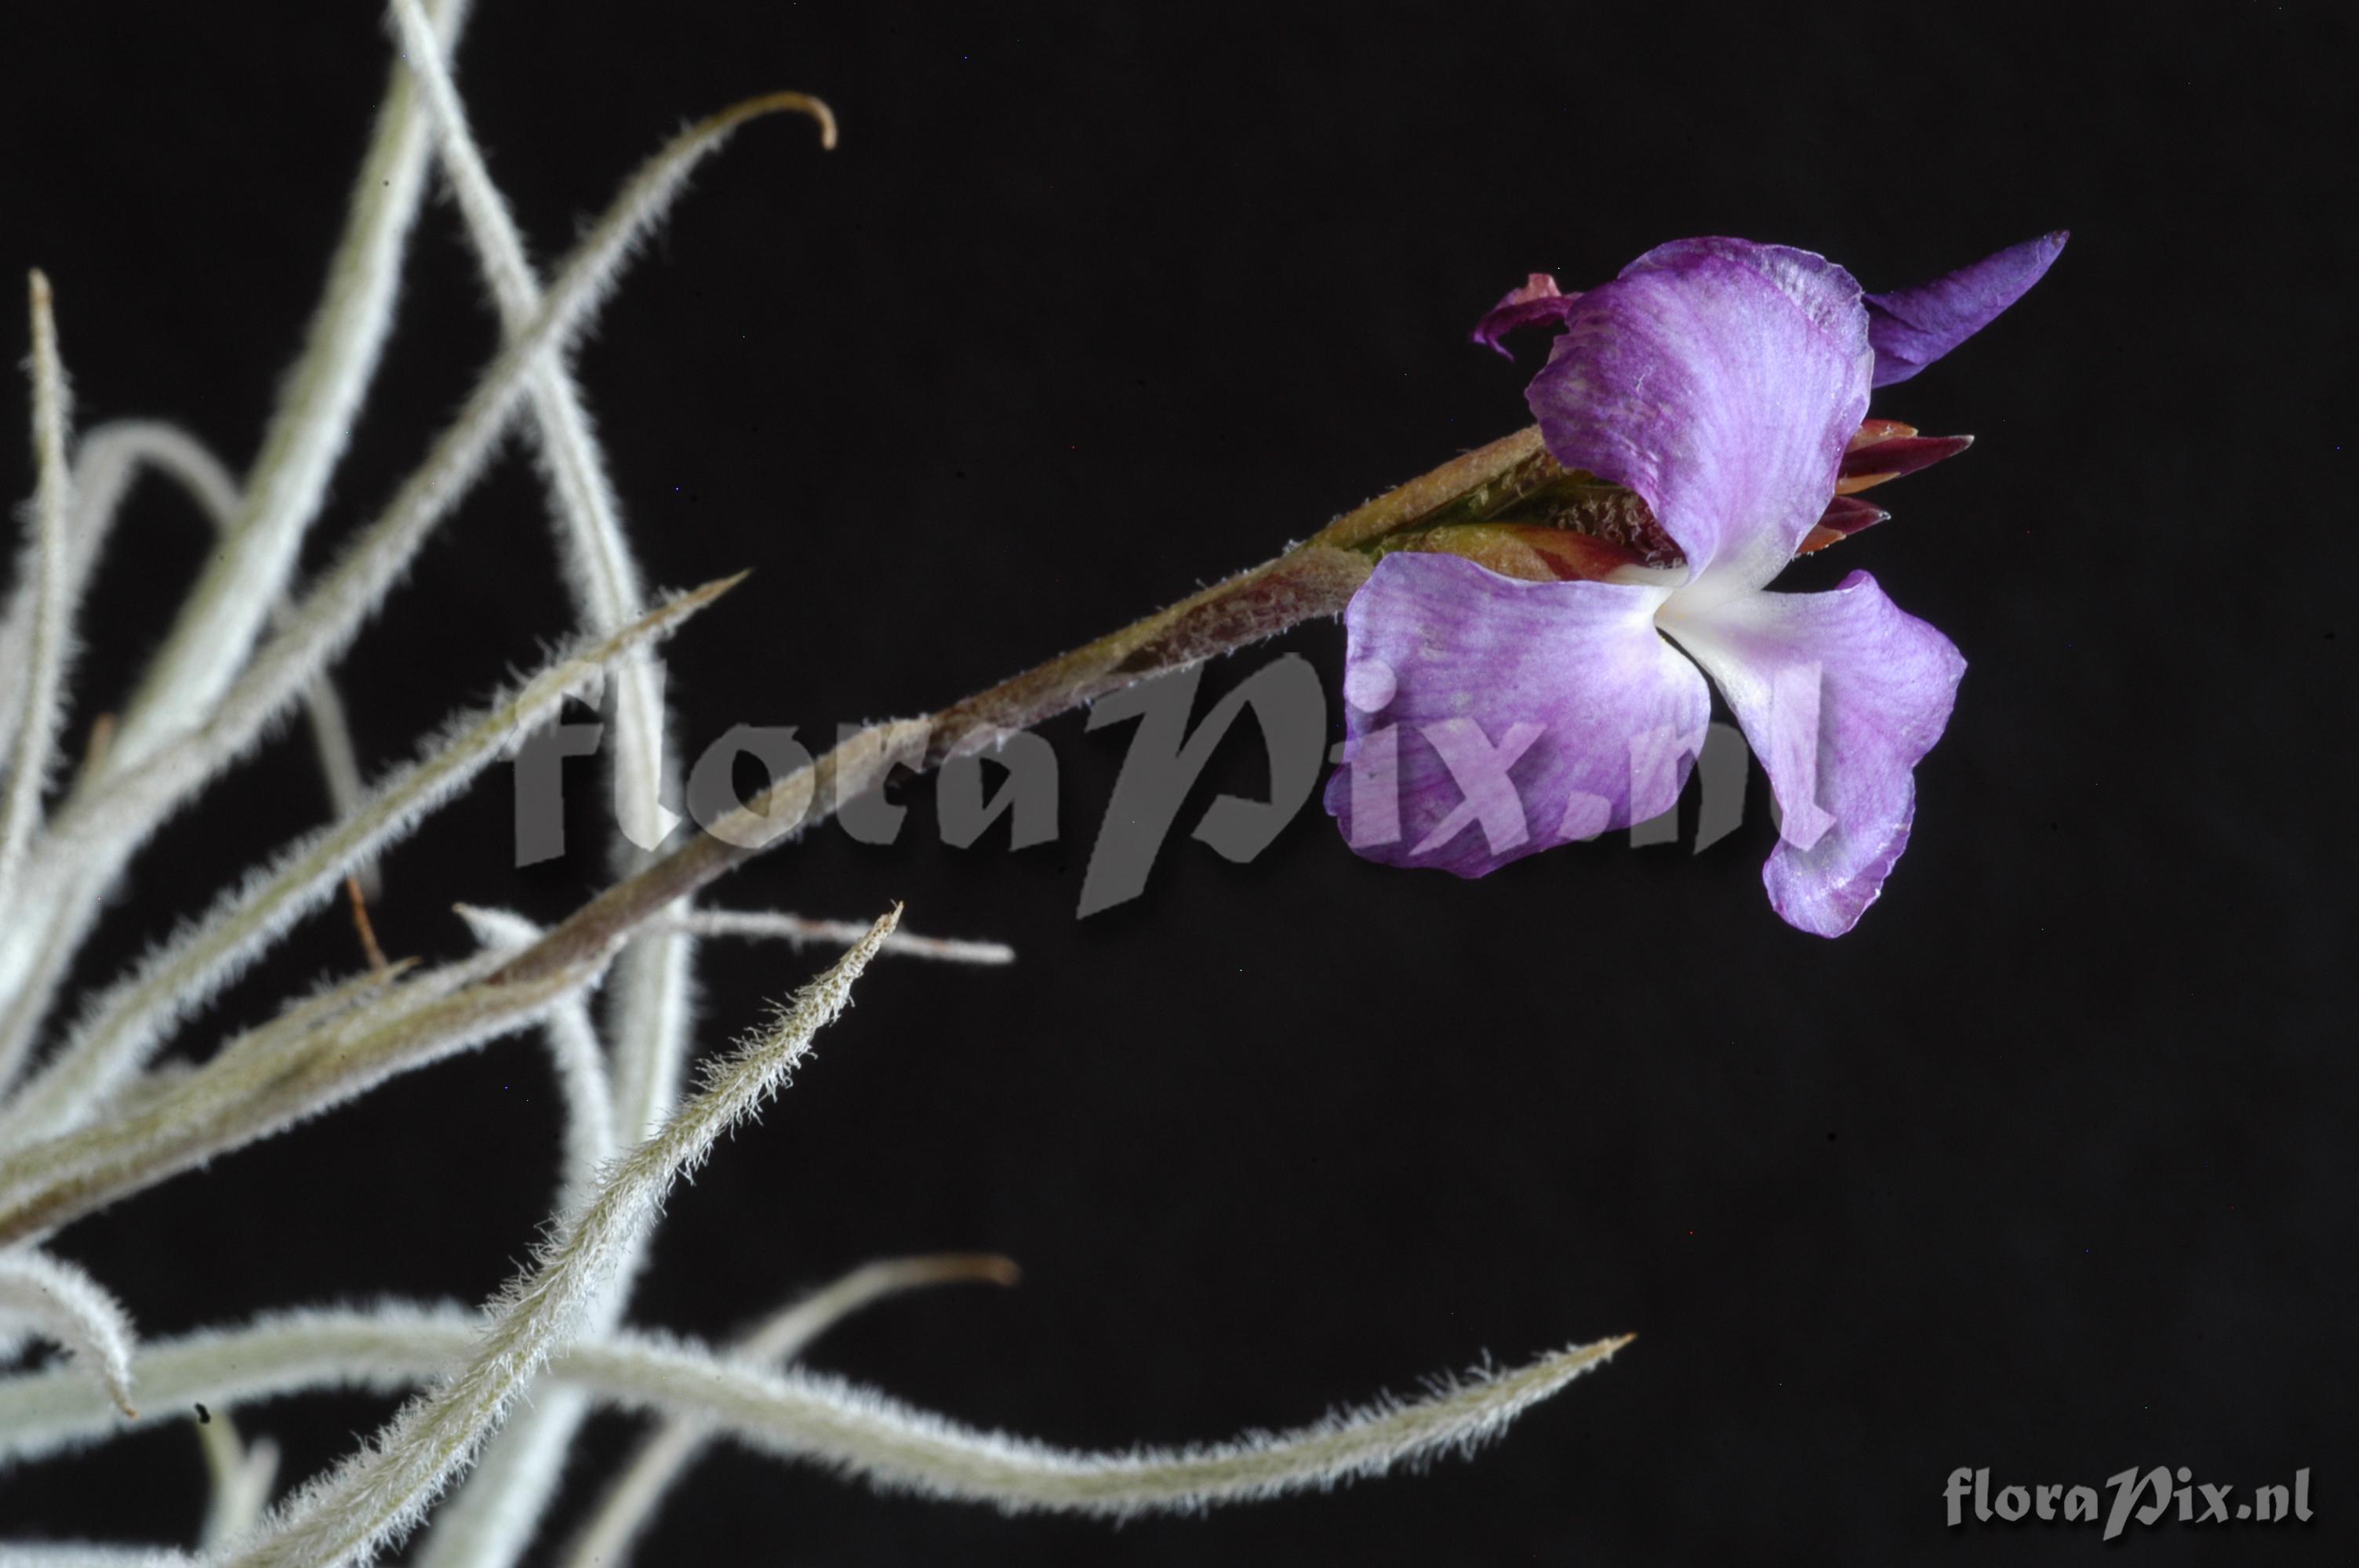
(1315, 579)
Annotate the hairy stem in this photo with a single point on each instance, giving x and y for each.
(39, 683)
(630, 1504)
(242, 1479)
(133, 1016)
(1313, 579)
(383, 1489)
(115, 812)
(315, 418)
(265, 1082)
(812, 1417)
(61, 1303)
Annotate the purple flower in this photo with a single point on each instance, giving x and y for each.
(1488, 716)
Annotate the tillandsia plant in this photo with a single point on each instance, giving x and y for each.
(1702, 419)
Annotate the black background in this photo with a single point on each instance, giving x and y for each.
(2043, 1168)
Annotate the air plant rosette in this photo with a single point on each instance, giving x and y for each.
(1534, 629)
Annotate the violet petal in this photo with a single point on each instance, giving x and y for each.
(1840, 695)
(1721, 380)
(1487, 717)
(1539, 301)
(1911, 328)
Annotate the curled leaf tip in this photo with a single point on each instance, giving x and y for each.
(782, 103)
(955, 1268)
(989, 1268)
